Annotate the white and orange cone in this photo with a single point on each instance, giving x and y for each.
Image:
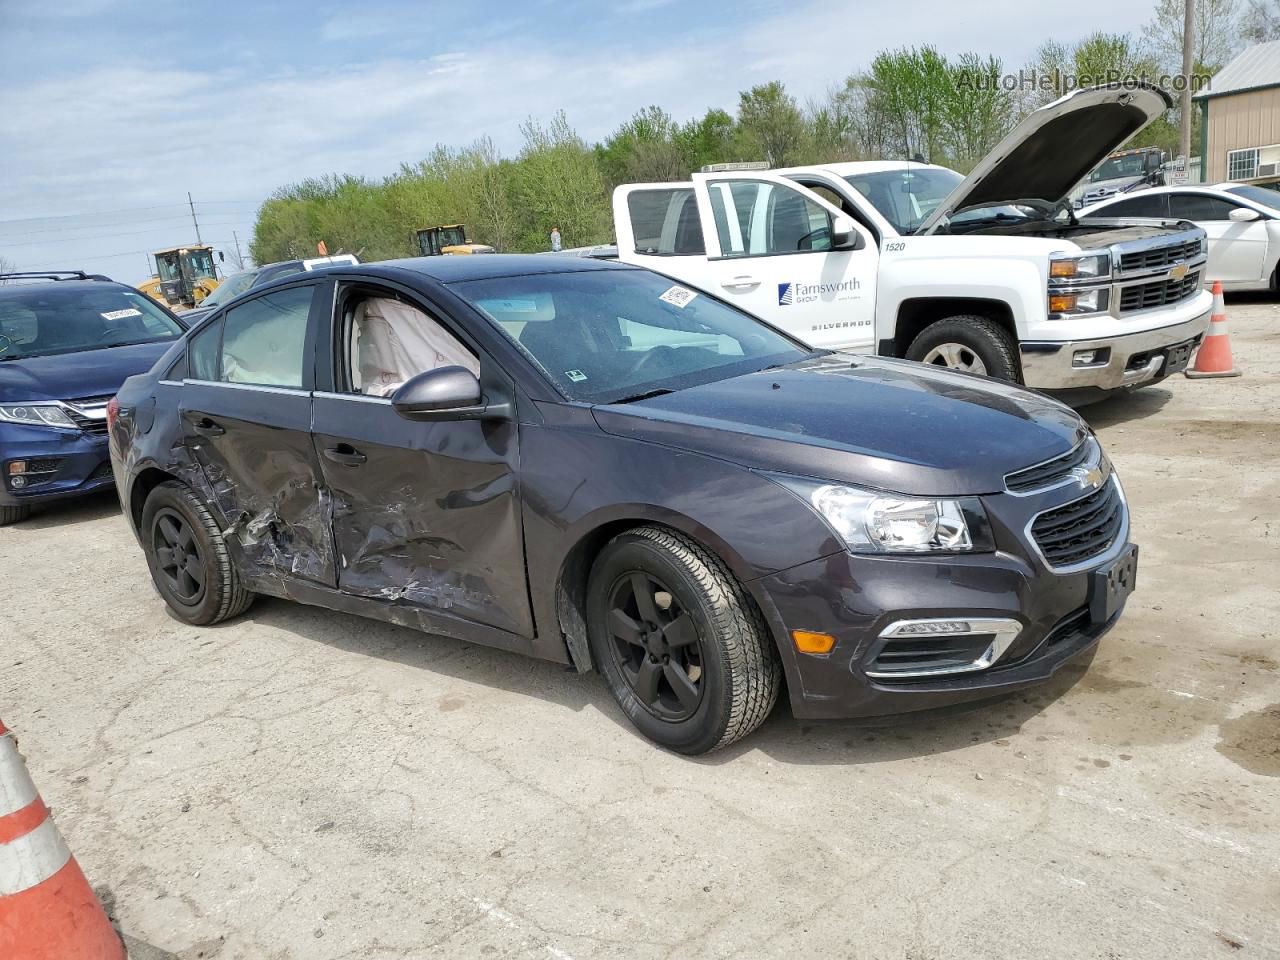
(47, 909)
(1213, 359)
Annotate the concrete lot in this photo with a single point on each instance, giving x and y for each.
(302, 784)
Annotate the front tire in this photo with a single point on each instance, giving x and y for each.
(16, 514)
(188, 557)
(681, 644)
(971, 344)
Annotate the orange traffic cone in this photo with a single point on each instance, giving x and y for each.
(1213, 359)
(47, 910)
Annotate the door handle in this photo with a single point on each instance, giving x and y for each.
(346, 455)
(208, 428)
(741, 283)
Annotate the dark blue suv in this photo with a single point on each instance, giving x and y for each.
(67, 342)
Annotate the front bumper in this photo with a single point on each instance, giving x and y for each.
(79, 461)
(1132, 360)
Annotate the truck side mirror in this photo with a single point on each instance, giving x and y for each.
(845, 235)
(1244, 214)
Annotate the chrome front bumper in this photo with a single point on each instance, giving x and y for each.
(1047, 365)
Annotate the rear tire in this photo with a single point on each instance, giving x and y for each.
(681, 644)
(968, 343)
(188, 557)
(16, 514)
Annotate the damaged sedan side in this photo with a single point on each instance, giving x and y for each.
(586, 463)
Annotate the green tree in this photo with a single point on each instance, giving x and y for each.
(557, 182)
(711, 139)
(770, 124)
(909, 89)
(1216, 30)
(644, 149)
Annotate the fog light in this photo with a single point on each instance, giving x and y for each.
(16, 482)
(16, 467)
(807, 641)
(1090, 358)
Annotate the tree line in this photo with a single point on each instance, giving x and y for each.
(911, 102)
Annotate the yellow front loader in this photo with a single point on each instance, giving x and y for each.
(184, 277)
(450, 239)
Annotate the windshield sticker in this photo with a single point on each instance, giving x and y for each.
(509, 306)
(121, 314)
(678, 297)
(577, 376)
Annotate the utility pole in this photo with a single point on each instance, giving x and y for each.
(192, 205)
(1188, 29)
(239, 259)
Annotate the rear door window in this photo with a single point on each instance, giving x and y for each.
(264, 340)
(1144, 205)
(203, 352)
(665, 222)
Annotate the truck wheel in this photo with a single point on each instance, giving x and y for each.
(10, 515)
(969, 343)
(681, 644)
(188, 557)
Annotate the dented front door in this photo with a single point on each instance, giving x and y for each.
(425, 513)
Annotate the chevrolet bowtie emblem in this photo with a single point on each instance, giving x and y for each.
(1178, 272)
(1089, 478)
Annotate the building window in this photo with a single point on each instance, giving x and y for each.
(1242, 164)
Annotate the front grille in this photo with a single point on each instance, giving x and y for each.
(1144, 296)
(1052, 472)
(1082, 529)
(89, 413)
(1160, 257)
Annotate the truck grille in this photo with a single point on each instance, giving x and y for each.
(1160, 257)
(1144, 296)
(1051, 472)
(1082, 529)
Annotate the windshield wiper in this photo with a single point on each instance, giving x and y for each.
(644, 396)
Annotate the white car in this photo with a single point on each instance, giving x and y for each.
(1242, 221)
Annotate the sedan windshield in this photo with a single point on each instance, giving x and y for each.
(606, 336)
(43, 319)
(1262, 195)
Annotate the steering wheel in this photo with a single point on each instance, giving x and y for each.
(649, 356)
(5, 343)
(808, 238)
(110, 332)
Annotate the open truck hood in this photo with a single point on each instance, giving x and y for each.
(1054, 148)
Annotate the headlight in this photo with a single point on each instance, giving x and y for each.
(36, 415)
(1093, 267)
(1083, 301)
(870, 521)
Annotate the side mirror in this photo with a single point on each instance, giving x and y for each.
(845, 235)
(1244, 214)
(446, 393)
(222, 257)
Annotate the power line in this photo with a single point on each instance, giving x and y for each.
(105, 236)
(72, 216)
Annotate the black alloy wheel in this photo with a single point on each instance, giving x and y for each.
(178, 556)
(656, 646)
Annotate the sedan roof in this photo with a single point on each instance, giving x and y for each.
(486, 266)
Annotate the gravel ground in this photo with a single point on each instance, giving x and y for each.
(303, 784)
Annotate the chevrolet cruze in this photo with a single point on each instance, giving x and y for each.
(590, 463)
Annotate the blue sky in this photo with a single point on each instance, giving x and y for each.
(112, 111)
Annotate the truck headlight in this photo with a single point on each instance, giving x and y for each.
(36, 415)
(1081, 301)
(1092, 267)
(871, 521)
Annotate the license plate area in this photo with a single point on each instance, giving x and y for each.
(1178, 356)
(1111, 585)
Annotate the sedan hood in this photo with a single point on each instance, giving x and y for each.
(72, 376)
(1055, 148)
(888, 424)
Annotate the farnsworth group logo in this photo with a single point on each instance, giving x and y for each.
(791, 293)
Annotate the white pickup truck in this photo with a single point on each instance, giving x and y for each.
(989, 273)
